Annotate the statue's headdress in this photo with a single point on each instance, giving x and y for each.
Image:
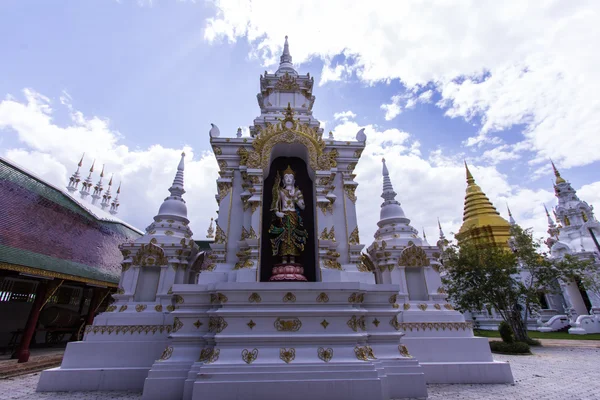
(289, 171)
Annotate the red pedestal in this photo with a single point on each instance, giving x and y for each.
(40, 296)
(288, 272)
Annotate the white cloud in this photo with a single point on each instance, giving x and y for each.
(52, 151)
(344, 115)
(511, 63)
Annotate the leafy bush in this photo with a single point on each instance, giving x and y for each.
(510, 348)
(506, 332)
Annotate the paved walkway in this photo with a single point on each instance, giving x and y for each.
(553, 373)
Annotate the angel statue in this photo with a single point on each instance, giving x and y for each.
(288, 236)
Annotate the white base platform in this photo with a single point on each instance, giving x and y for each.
(586, 324)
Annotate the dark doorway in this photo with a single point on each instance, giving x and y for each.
(305, 184)
(584, 295)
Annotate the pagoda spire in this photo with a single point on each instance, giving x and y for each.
(87, 184)
(98, 188)
(107, 195)
(559, 179)
(114, 206)
(210, 232)
(425, 243)
(511, 220)
(481, 221)
(285, 61)
(75, 178)
(174, 205)
(442, 237)
(551, 223)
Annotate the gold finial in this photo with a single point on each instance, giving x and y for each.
(289, 171)
(119, 189)
(81, 161)
(110, 181)
(559, 179)
(470, 179)
(92, 167)
(102, 173)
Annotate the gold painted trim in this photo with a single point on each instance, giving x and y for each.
(51, 274)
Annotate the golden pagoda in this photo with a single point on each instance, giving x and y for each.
(482, 224)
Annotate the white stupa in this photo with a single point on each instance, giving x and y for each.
(193, 325)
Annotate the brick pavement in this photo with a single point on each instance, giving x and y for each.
(553, 373)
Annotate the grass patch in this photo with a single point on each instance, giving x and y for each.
(542, 335)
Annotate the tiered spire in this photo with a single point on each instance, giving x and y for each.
(511, 220)
(425, 243)
(174, 205)
(285, 61)
(87, 184)
(481, 221)
(107, 195)
(114, 206)
(390, 208)
(75, 178)
(559, 179)
(98, 188)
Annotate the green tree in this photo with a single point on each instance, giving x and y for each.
(477, 276)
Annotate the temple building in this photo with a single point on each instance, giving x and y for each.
(284, 301)
(47, 262)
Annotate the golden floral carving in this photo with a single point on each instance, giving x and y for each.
(351, 167)
(111, 308)
(356, 298)
(322, 298)
(249, 356)
(167, 353)
(393, 299)
(252, 233)
(403, 351)
(209, 355)
(197, 324)
(365, 264)
(355, 323)
(222, 164)
(217, 150)
(376, 322)
(177, 324)
(290, 325)
(216, 324)
(324, 324)
(178, 299)
(223, 189)
(287, 355)
(423, 306)
(350, 192)
(394, 322)
(437, 306)
(325, 354)
(441, 290)
(170, 308)
(243, 153)
(131, 329)
(120, 290)
(413, 256)
(123, 308)
(406, 306)
(353, 238)
(326, 207)
(324, 235)
(254, 298)
(287, 83)
(434, 325)
(364, 353)
(220, 237)
(448, 306)
(140, 307)
(169, 233)
(333, 264)
(289, 298)
(150, 254)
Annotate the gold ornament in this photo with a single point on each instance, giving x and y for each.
(325, 354)
(249, 356)
(287, 355)
(290, 325)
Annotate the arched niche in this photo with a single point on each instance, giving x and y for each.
(288, 150)
(149, 258)
(304, 181)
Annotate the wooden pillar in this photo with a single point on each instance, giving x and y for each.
(40, 297)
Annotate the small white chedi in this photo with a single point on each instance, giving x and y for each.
(284, 304)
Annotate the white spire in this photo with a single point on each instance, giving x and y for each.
(285, 61)
(174, 205)
(441, 231)
(75, 179)
(114, 206)
(107, 195)
(87, 184)
(511, 220)
(425, 243)
(98, 188)
(550, 220)
(390, 208)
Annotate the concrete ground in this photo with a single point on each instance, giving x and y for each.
(553, 373)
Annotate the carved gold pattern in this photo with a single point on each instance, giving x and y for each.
(325, 354)
(111, 308)
(376, 322)
(131, 329)
(216, 324)
(223, 189)
(355, 323)
(434, 325)
(220, 237)
(243, 153)
(333, 264)
(158, 307)
(324, 235)
(251, 324)
(365, 264)
(167, 353)
(441, 290)
(393, 299)
(350, 192)
(140, 307)
(324, 324)
(222, 164)
(413, 256)
(289, 325)
(209, 355)
(217, 150)
(287, 355)
(287, 82)
(177, 324)
(289, 298)
(356, 298)
(169, 233)
(123, 308)
(406, 306)
(252, 233)
(322, 298)
(448, 306)
(120, 290)
(403, 351)
(354, 238)
(422, 306)
(254, 298)
(364, 353)
(437, 306)
(150, 254)
(170, 308)
(178, 299)
(249, 356)
(197, 324)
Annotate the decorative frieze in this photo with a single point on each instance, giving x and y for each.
(287, 355)
(102, 329)
(325, 354)
(249, 356)
(288, 325)
(209, 355)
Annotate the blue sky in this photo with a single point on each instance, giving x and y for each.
(133, 82)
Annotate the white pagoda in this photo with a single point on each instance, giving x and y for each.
(284, 304)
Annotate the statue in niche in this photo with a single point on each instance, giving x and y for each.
(288, 236)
